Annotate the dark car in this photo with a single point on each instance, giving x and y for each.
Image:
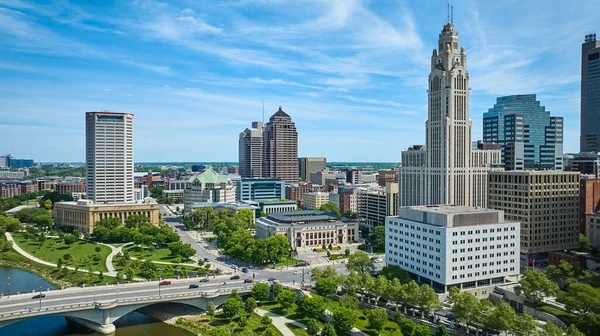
(271, 279)
(206, 259)
(164, 283)
(235, 277)
(244, 269)
(248, 281)
(193, 286)
(39, 296)
(204, 280)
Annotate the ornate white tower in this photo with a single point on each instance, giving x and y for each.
(453, 173)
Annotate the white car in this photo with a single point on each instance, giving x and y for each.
(378, 260)
(234, 266)
(297, 272)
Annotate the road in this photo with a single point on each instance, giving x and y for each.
(107, 293)
(283, 274)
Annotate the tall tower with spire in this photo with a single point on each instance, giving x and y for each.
(447, 170)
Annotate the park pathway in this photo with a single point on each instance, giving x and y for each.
(112, 271)
(280, 321)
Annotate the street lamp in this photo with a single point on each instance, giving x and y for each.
(159, 280)
(40, 297)
(117, 294)
(94, 297)
(8, 288)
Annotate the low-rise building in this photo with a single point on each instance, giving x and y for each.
(71, 185)
(209, 186)
(445, 246)
(28, 186)
(307, 228)
(296, 191)
(584, 162)
(10, 189)
(173, 184)
(173, 195)
(257, 189)
(592, 222)
(84, 214)
(314, 200)
(274, 206)
(48, 182)
(374, 204)
(12, 175)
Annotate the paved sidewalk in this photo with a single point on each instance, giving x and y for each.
(280, 321)
(112, 271)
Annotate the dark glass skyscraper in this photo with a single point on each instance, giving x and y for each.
(529, 137)
(590, 95)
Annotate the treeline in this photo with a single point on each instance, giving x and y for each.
(137, 229)
(234, 236)
(56, 171)
(11, 202)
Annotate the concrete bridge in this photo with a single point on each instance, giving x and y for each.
(99, 307)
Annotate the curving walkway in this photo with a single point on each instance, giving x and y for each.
(112, 271)
(280, 321)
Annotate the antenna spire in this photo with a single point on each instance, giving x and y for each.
(263, 111)
(448, 12)
(452, 14)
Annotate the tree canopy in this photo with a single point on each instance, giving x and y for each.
(330, 207)
(360, 262)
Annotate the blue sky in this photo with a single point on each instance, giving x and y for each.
(352, 74)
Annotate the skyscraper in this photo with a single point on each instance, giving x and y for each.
(590, 95)
(529, 137)
(310, 165)
(109, 157)
(447, 170)
(281, 148)
(251, 151)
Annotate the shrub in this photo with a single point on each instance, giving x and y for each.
(336, 248)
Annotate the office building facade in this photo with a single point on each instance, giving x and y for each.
(589, 140)
(251, 151)
(385, 176)
(375, 204)
(314, 200)
(546, 203)
(589, 199)
(280, 158)
(453, 246)
(354, 176)
(210, 187)
(529, 137)
(257, 189)
(309, 165)
(109, 157)
(447, 170)
(586, 163)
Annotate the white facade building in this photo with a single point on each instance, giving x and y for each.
(314, 200)
(109, 157)
(460, 246)
(208, 187)
(447, 170)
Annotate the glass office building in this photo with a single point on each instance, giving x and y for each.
(529, 137)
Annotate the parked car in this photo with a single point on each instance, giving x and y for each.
(193, 286)
(244, 269)
(39, 296)
(378, 260)
(234, 267)
(204, 280)
(235, 277)
(164, 283)
(248, 281)
(271, 279)
(206, 259)
(297, 272)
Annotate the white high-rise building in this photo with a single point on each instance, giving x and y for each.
(447, 170)
(109, 157)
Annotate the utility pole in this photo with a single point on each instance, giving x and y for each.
(8, 288)
(40, 297)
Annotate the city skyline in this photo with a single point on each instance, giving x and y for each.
(350, 74)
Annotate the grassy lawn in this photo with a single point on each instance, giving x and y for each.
(337, 256)
(161, 254)
(52, 249)
(284, 261)
(297, 330)
(565, 316)
(203, 325)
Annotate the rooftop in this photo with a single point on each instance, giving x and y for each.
(210, 176)
(451, 215)
(303, 216)
(452, 209)
(82, 203)
(19, 208)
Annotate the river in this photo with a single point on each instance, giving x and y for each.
(132, 324)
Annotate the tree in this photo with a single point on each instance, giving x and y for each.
(347, 252)
(135, 221)
(232, 306)
(585, 243)
(98, 249)
(286, 299)
(67, 257)
(246, 217)
(501, 317)
(100, 276)
(313, 327)
(109, 223)
(360, 262)
(70, 239)
(330, 207)
(250, 305)
(277, 289)
(211, 311)
(428, 300)
(581, 298)
(378, 238)
(266, 320)
(563, 273)
(42, 238)
(573, 331)
(328, 330)
(377, 318)
(243, 322)
(394, 271)
(407, 326)
(101, 233)
(314, 306)
(524, 325)
(535, 285)
(422, 330)
(550, 329)
(148, 269)
(326, 286)
(48, 204)
(442, 331)
(343, 319)
(465, 306)
(10, 224)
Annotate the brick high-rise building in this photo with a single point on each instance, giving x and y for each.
(385, 176)
(109, 157)
(280, 158)
(589, 199)
(546, 203)
(590, 95)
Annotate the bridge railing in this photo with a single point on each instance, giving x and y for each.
(96, 304)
